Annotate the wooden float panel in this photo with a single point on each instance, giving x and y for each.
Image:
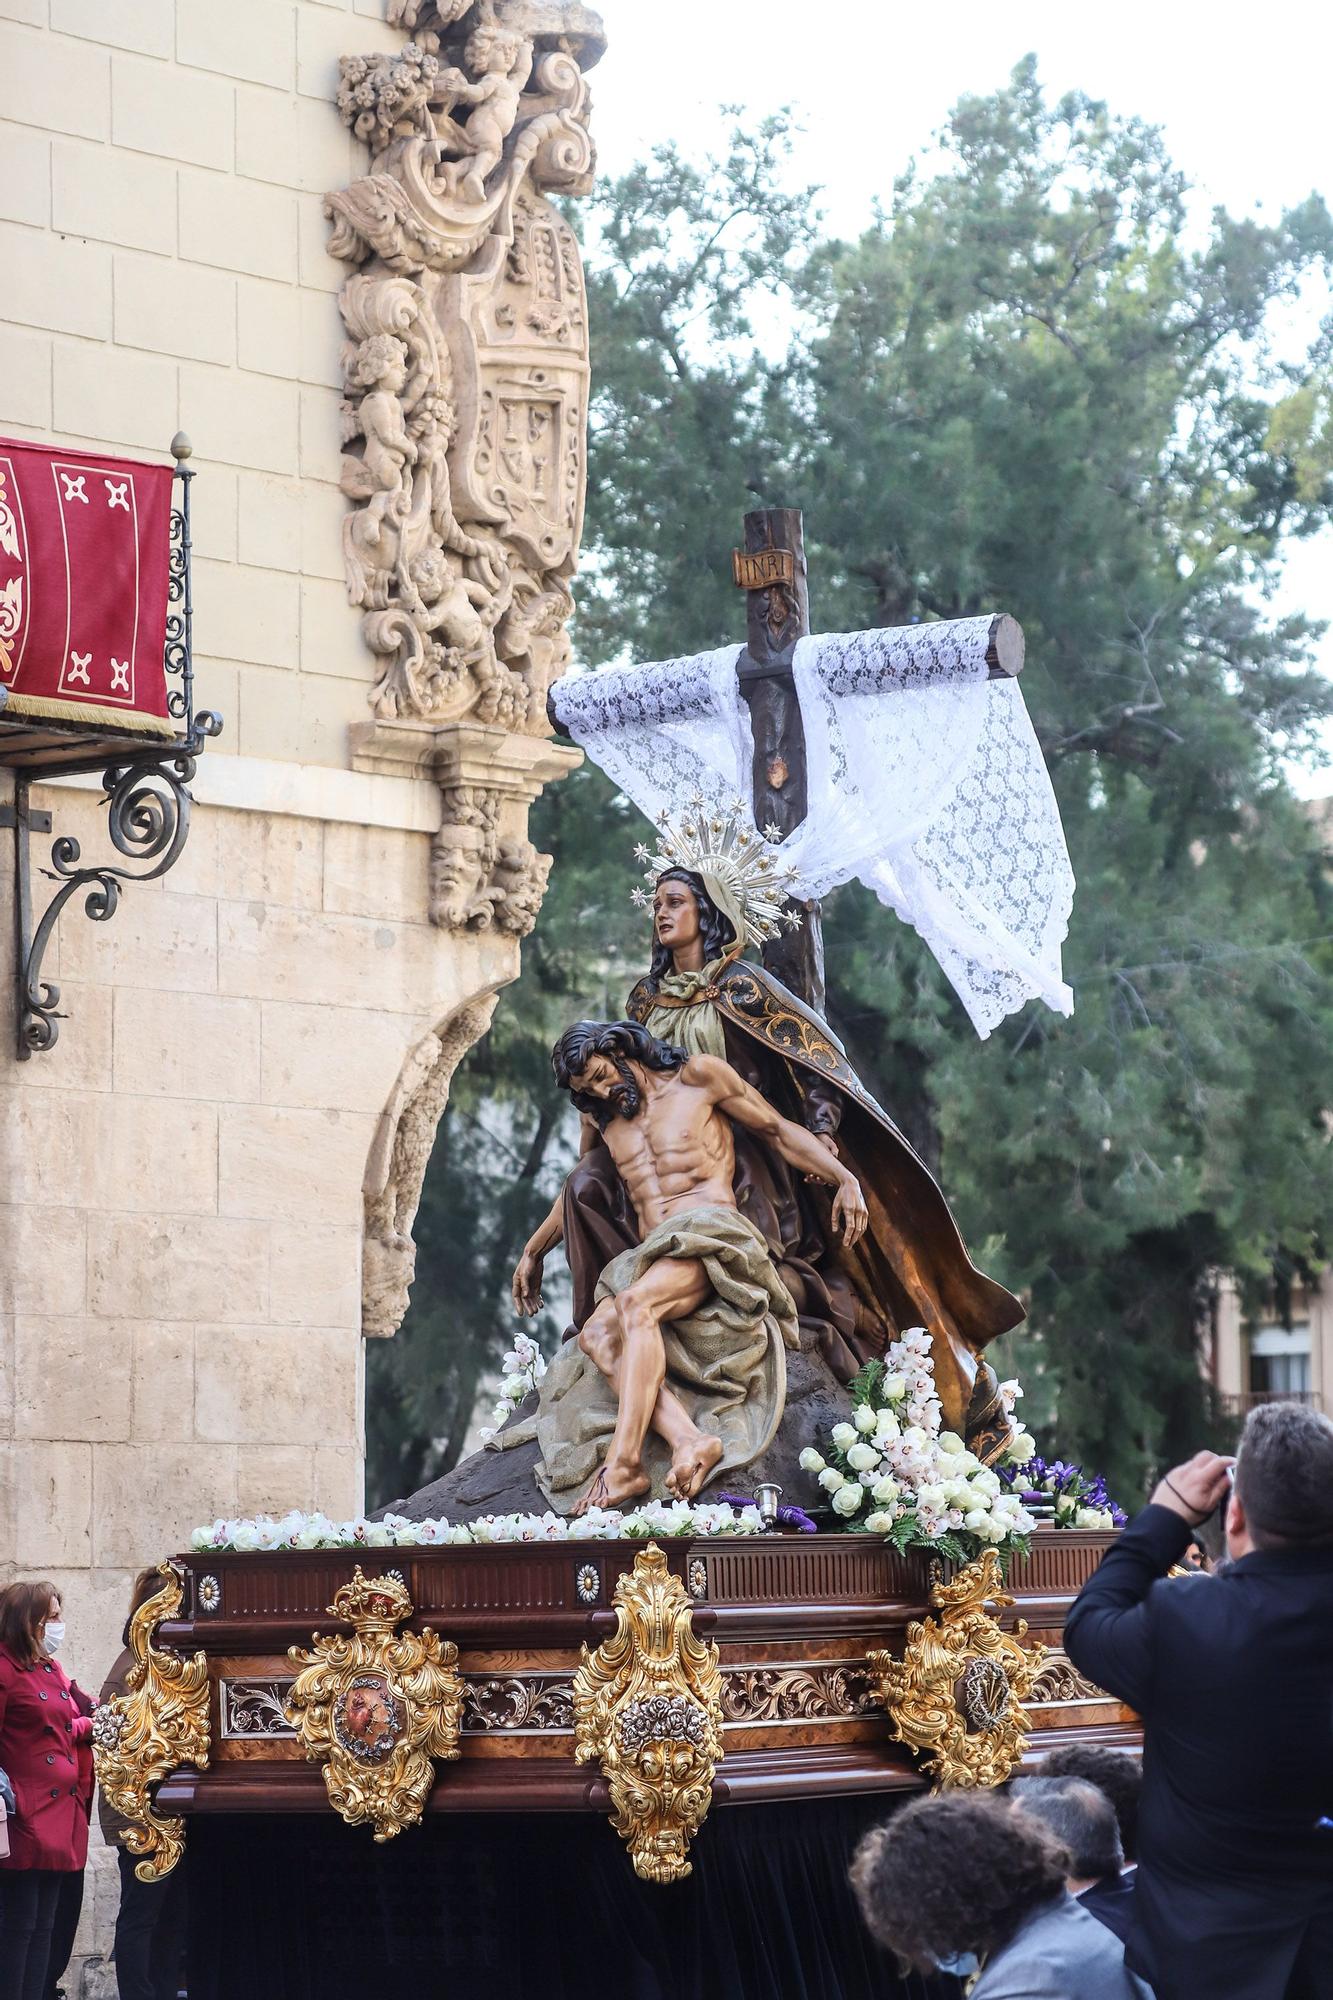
(793, 1618)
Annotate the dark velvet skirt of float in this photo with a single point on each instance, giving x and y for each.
(501, 1906)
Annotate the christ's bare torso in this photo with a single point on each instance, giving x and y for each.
(678, 1153)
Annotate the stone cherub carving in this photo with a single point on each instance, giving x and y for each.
(501, 64)
(380, 476)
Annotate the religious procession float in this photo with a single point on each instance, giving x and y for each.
(765, 1546)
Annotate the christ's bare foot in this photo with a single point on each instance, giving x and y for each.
(612, 1487)
(692, 1465)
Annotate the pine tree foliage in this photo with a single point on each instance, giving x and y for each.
(1035, 384)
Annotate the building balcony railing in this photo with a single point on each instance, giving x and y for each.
(1250, 1399)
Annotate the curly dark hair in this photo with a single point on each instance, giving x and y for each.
(715, 930)
(955, 1873)
(1114, 1772)
(621, 1042)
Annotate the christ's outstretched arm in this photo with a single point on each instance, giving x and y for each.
(733, 1096)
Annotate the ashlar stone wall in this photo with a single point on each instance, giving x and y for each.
(207, 1188)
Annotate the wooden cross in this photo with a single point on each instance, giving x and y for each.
(772, 570)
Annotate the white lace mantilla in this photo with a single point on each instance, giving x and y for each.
(926, 782)
(665, 731)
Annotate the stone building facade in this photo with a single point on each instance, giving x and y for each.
(207, 1188)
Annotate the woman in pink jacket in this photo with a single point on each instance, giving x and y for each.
(45, 1734)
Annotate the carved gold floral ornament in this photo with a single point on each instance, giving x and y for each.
(958, 1691)
(374, 1709)
(158, 1724)
(648, 1710)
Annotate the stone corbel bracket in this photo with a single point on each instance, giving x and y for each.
(375, 1709)
(648, 1712)
(485, 874)
(957, 1693)
(160, 1723)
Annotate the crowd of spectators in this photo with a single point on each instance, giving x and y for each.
(1211, 1878)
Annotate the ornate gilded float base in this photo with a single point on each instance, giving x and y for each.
(648, 1710)
(957, 1692)
(156, 1726)
(373, 1710)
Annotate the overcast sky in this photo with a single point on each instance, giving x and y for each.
(1246, 113)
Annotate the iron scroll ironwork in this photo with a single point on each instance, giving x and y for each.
(145, 790)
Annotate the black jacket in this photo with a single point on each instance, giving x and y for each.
(1111, 1901)
(1233, 1677)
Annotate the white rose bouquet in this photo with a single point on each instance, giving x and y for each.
(893, 1470)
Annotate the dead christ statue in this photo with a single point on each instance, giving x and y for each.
(679, 1372)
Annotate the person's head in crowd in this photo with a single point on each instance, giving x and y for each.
(1083, 1821)
(1283, 1493)
(948, 1880)
(146, 1584)
(1114, 1772)
(30, 1623)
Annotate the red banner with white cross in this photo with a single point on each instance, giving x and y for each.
(84, 556)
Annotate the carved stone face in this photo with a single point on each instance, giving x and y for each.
(431, 572)
(382, 363)
(455, 876)
(492, 51)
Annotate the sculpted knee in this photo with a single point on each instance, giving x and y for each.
(636, 1322)
(599, 1337)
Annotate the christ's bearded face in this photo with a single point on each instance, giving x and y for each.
(610, 1079)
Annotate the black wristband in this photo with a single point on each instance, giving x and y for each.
(1167, 1480)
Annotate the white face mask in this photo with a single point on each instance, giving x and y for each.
(962, 1964)
(53, 1635)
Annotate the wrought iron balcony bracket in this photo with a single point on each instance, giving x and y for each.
(145, 789)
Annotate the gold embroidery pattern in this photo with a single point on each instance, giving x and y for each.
(11, 590)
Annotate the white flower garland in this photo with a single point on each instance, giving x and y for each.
(917, 1483)
(316, 1531)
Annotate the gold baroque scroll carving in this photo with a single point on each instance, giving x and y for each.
(957, 1692)
(375, 1709)
(466, 369)
(158, 1724)
(648, 1711)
